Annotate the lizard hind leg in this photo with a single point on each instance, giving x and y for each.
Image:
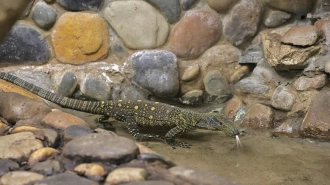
(176, 131)
(103, 120)
(133, 129)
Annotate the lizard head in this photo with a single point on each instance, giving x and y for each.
(218, 121)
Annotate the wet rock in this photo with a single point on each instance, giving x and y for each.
(7, 165)
(199, 177)
(67, 84)
(239, 74)
(192, 97)
(123, 175)
(24, 45)
(198, 30)
(232, 107)
(73, 131)
(42, 154)
(151, 182)
(14, 107)
(78, 38)
(305, 35)
(20, 178)
(27, 10)
(100, 147)
(170, 8)
(316, 122)
(283, 98)
(61, 120)
(220, 5)
(153, 157)
(38, 78)
(290, 126)
(18, 146)
(96, 87)
(245, 17)
(191, 73)
(44, 15)
(150, 28)
(156, 71)
(304, 83)
(282, 56)
(51, 137)
(258, 116)
(222, 57)
(74, 5)
(253, 86)
(274, 18)
(93, 171)
(215, 84)
(65, 178)
(49, 167)
(302, 7)
(186, 4)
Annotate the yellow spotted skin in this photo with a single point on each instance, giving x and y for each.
(139, 114)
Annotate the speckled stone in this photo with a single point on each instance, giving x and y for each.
(170, 8)
(78, 38)
(75, 5)
(245, 17)
(156, 71)
(24, 44)
(199, 29)
(44, 15)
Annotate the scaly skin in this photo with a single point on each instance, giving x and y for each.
(139, 114)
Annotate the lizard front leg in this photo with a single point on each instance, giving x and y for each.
(176, 131)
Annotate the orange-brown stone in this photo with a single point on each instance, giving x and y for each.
(80, 37)
(61, 120)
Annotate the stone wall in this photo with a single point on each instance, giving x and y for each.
(267, 58)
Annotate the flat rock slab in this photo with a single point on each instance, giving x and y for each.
(20, 178)
(101, 147)
(66, 178)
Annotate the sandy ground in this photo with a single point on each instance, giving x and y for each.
(262, 160)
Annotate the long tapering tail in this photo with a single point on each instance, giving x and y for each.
(95, 107)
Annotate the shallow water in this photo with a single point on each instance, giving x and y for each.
(262, 160)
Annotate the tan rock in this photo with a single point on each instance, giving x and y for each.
(199, 29)
(191, 73)
(258, 116)
(282, 56)
(42, 154)
(139, 24)
(78, 38)
(232, 107)
(239, 73)
(305, 35)
(122, 175)
(324, 25)
(317, 119)
(91, 170)
(61, 120)
(305, 83)
(20, 178)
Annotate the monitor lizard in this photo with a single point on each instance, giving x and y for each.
(139, 114)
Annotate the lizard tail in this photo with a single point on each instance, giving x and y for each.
(85, 106)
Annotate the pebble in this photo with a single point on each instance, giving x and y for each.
(124, 175)
(150, 27)
(283, 98)
(192, 97)
(51, 137)
(252, 86)
(42, 154)
(274, 18)
(20, 178)
(101, 147)
(216, 84)
(73, 131)
(92, 171)
(61, 120)
(156, 71)
(44, 15)
(300, 8)
(96, 86)
(48, 167)
(65, 178)
(24, 44)
(67, 84)
(304, 83)
(239, 74)
(190, 73)
(7, 165)
(187, 4)
(305, 35)
(220, 5)
(199, 23)
(18, 146)
(246, 22)
(232, 107)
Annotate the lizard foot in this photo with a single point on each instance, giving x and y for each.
(175, 144)
(103, 120)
